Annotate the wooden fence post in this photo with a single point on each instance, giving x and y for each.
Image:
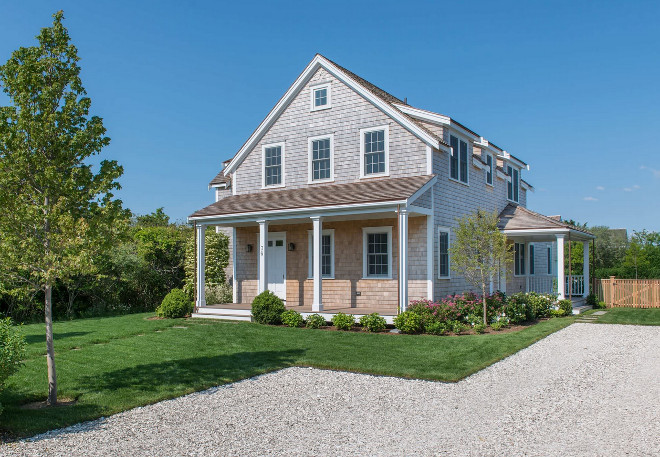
(612, 291)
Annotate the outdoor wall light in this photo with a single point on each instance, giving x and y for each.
(248, 248)
(292, 247)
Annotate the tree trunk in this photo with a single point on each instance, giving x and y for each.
(483, 297)
(50, 351)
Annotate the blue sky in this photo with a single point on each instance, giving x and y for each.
(571, 87)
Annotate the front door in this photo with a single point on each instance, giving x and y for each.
(276, 258)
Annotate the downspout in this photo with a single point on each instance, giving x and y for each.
(398, 262)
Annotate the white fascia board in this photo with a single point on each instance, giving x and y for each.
(501, 175)
(334, 210)
(317, 62)
(421, 190)
(526, 186)
(420, 210)
(575, 234)
(509, 158)
(478, 163)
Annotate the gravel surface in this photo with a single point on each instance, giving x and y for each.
(585, 390)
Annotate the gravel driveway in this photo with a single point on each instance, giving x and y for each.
(586, 390)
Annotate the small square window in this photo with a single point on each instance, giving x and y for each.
(321, 96)
(279, 243)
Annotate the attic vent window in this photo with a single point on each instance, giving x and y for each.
(321, 97)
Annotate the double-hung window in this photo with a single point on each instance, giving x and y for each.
(458, 161)
(443, 252)
(531, 259)
(549, 260)
(273, 165)
(374, 157)
(321, 96)
(377, 252)
(327, 253)
(321, 158)
(513, 184)
(489, 169)
(519, 259)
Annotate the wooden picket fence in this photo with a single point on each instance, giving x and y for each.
(635, 293)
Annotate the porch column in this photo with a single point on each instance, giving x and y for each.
(561, 278)
(585, 268)
(317, 303)
(429, 257)
(201, 266)
(403, 259)
(234, 283)
(528, 267)
(263, 249)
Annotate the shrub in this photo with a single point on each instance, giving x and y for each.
(515, 309)
(557, 312)
(373, 322)
(602, 305)
(459, 327)
(267, 308)
(592, 300)
(12, 350)
(499, 325)
(315, 321)
(219, 293)
(566, 305)
(480, 328)
(292, 318)
(409, 322)
(474, 319)
(436, 328)
(343, 321)
(175, 304)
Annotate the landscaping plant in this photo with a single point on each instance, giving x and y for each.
(409, 322)
(292, 318)
(12, 350)
(373, 322)
(267, 308)
(176, 304)
(315, 321)
(343, 321)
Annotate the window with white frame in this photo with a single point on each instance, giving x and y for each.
(489, 169)
(273, 165)
(443, 252)
(549, 260)
(519, 259)
(513, 183)
(458, 161)
(321, 158)
(531, 259)
(327, 253)
(377, 252)
(374, 148)
(321, 96)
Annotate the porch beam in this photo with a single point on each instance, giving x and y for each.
(317, 225)
(561, 277)
(585, 268)
(263, 250)
(403, 259)
(201, 266)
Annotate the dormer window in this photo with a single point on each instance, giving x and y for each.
(489, 169)
(513, 184)
(273, 165)
(458, 161)
(321, 97)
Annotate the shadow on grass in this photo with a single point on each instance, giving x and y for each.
(33, 339)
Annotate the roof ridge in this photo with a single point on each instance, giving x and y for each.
(560, 222)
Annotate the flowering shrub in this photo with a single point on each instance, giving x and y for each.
(466, 308)
(567, 306)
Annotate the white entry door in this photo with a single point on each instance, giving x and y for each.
(276, 258)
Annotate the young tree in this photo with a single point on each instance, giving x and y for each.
(479, 249)
(56, 214)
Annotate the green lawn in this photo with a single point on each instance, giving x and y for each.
(632, 316)
(113, 364)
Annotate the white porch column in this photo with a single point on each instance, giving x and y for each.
(403, 259)
(585, 268)
(234, 283)
(201, 266)
(263, 249)
(317, 303)
(561, 278)
(429, 257)
(527, 266)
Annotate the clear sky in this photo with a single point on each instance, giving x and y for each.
(571, 87)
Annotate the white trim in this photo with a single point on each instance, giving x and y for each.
(234, 183)
(446, 230)
(386, 135)
(505, 156)
(420, 210)
(468, 153)
(526, 186)
(429, 256)
(317, 62)
(272, 235)
(234, 282)
(477, 163)
(492, 169)
(510, 180)
(421, 191)
(380, 229)
(429, 160)
(201, 266)
(262, 252)
(310, 245)
(310, 173)
(548, 260)
(317, 245)
(531, 259)
(312, 94)
(515, 259)
(561, 277)
(403, 259)
(263, 165)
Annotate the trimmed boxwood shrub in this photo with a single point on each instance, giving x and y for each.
(315, 321)
(343, 321)
(267, 308)
(292, 318)
(566, 305)
(175, 304)
(373, 322)
(436, 328)
(409, 322)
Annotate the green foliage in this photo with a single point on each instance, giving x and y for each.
(527, 306)
(499, 325)
(592, 300)
(409, 322)
(480, 328)
(601, 305)
(175, 304)
(315, 321)
(216, 246)
(12, 350)
(219, 293)
(557, 313)
(436, 328)
(566, 305)
(156, 219)
(343, 321)
(373, 322)
(292, 318)
(459, 327)
(267, 308)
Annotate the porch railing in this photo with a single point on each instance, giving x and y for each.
(574, 285)
(543, 284)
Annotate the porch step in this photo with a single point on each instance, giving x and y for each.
(581, 309)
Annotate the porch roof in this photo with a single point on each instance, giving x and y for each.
(516, 219)
(373, 191)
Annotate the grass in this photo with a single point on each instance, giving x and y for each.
(113, 364)
(631, 316)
